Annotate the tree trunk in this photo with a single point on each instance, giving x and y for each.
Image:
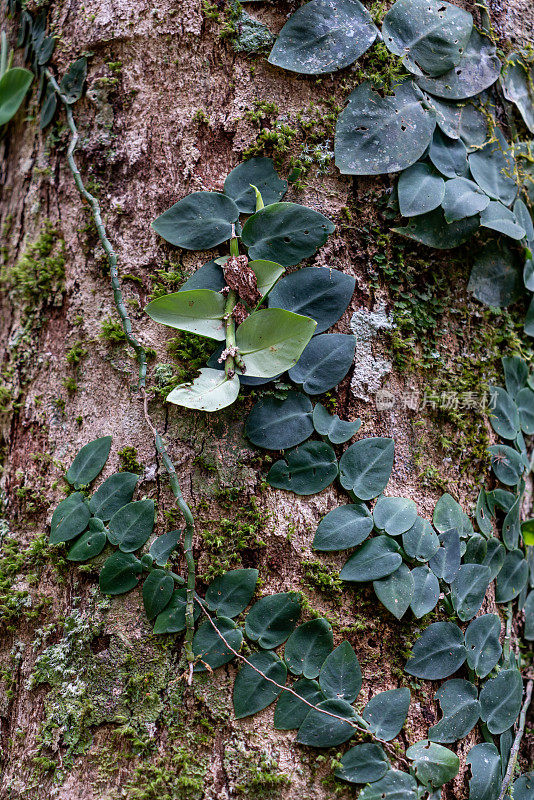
(91, 704)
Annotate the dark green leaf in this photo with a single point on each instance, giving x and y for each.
(70, 518)
(324, 362)
(71, 86)
(278, 424)
(45, 50)
(492, 168)
(308, 646)
(323, 36)
(131, 525)
(512, 578)
(465, 122)
(495, 278)
(477, 69)
(172, 619)
(504, 415)
(115, 492)
(200, 221)
(210, 648)
(462, 198)
(230, 594)
(394, 515)
(495, 555)
(483, 513)
(499, 218)
(445, 564)
(420, 541)
(366, 465)
(89, 462)
(338, 431)
(485, 762)
(49, 107)
(500, 700)
(468, 589)
(376, 558)
(425, 592)
(14, 85)
(343, 527)
(271, 340)
(157, 592)
(258, 172)
(396, 591)
(449, 514)
(434, 765)
(476, 550)
(517, 82)
(376, 134)
(433, 230)
(317, 292)
(524, 219)
(420, 190)
(120, 573)
(529, 618)
(525, 405)
(460, 709)
(290, 712)
(323, 730)
(511, 527)
(208, 276)
(523, 787)
(308, 469)
(89, 545)
(386, 712)
(341, 677)
(438, 652)
(365, 763)
(197, 311)
(483, 645)
(162, 547)
(395, 785)
(507, 464)
(252, 693)
(285, 233)
(449, 155)
(272, 618)
(529, 320)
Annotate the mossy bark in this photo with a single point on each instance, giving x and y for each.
(91, 705)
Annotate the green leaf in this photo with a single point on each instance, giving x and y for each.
(460, 709)
(434, 765)
(515, 374)
(511, 527)
(522, 787)
(395, 785)
(504, 415)
(308, 469)
(338, 431)
(529, 320)
(485, 781)
(323, 36)
(494, 557)
(445, 564)
(71, 86)
(394, 515)
(376, 135)
(449, 156)
(476, 550)
(49, 107)
(162, 547)
(495, 278)
(468, 590)
(438, 652)
(499, 218)
(517, 80)
(290, 712)
(200, 221)
(308, 646)
(114, 493)
(132, 525)
(376, 558)
(483, 645)
(277, 424)
(89, 545)
(386, 712)
(425, 591)
(420, 541)
(500, 700)
(477, 69)
(528, 609)
(45, 50)
(208, 276)
(448, 513)
(89, 462)
(527, 532)
(507, 464)
(120, 573)
(430, 36)
(493, 168)
(512, 578)
(365, 763)
(285, 233)
(210, 391)
(462, 198)
(341, 677)
(272, 618)
(157, 592)
(420, 189)
(229, 594)
(433, 230)
(324, 362)
(396, 591)
(483, 514)
(272, 340)
(267, 274)
(14, 85)
(259, 172)
(343, 527)
(524, 219)
(252, 693)
(365, 467)
(322, 730)
(465, 122)
(210, 648)
(70, 518)
(317, 292)
(525, 405)
(197, 310)
(172, 619)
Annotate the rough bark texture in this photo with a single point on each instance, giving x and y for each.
(91, 705)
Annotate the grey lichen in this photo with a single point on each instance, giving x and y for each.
(369, 370)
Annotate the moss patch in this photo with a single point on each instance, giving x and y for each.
(39, 274)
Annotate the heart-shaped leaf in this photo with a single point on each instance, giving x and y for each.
(157, 592)
(277, 424)
(323, 730)
(394, 515)
(89, 462)
(365, 467)
(434, 765)
(525, 405)
(485, 781)
(468, 589)
(499, 218)
(376, 134)
(308, 646)
(196, 310)
(365, 763)
(162, 547)
(14, 85)
(425, 591)
(495, 279)
(120, 573)
(200, 221)
(386, 713)
(230, 594)
(272, 618)
(210, 391)
(317, 292)
(512, 578)
(70, 518)
(495, 556)
(285, 233)
(208, 276)
(376, 558)
(395, 785)
(89, 545)
(290, 712)
(308, 469)
(131, 526)
(71, 86)
(465, 122)
(210, 648)
(529, 618)
(114, 493)
(343, 527)
(463, 198)
(258, 172)
(272, 340)
(438, 652)
(396, 591)
(500, 700)
(340, 676)
(504, 414)
(522, 787)
(445, 564)
(323, 36)
(517, 81)
(460, 708)
(507, 464)
(252, 693)
(172, 619)
(493, 168)
(449, 514)
(449, 156)
(433, 230)
(483, 645)
(324, 362)
(420, 541)
(338, 431)
(420, 190)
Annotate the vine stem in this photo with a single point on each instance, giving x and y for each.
(140, 353)
(517, 741)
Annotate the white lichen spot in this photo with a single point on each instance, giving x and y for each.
(369, 370)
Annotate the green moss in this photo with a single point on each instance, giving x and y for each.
(75, 354)
(128, 460)
(322, 577)
(167, 280)
(18, 562)
(245, 33)
(255, 776)
(39, 274)
(111, 331)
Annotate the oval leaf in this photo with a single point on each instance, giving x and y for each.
(89, 462)
(308, 646)
(271, 619)
(308, 469)
(272, 340)
(324, 362)
(157, 592)
(200, 221)
(258, 172)
(210, 648)
(343, 527)
(229, 594)
(438, 652)
(70, 518)
(366, 465)
(252, 692)
(115, 492)
(386, 712)
(132, 525)
(374, 559)
(120, 573)
(277, 424)
(341, 677)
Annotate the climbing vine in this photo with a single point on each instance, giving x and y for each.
(458, 174)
